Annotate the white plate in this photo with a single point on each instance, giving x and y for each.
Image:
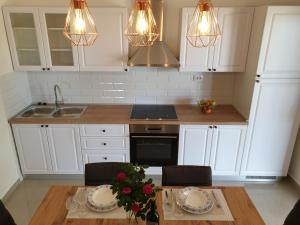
(102, 197)
(101, 209)
(194, 200)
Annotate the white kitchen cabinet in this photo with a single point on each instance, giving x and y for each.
(59, 52)
(194, 145)
(25, 38)
(230, 51)
(33, 149)
(37, 42)
(64, 145)
(98, 156)
(110, 50)
(48, 149)
(273, 125)
(220, 147)
(280, 48)
(227, 149)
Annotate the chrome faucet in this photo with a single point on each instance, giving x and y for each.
(57, 90)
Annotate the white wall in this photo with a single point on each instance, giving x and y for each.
(295, 165)
(9, 171)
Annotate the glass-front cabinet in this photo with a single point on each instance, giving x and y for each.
(59, 52)
(25, 38)
(36, 39)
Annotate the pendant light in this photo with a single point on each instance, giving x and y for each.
(204, 29)
(80, 27)
(142, 29)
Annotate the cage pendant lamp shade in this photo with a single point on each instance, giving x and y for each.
(203, 29)
(142, 29)
(80, 27)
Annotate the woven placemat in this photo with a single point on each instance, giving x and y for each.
(220, 211)
(77, 208)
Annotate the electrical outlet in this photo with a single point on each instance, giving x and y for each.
(197, 77)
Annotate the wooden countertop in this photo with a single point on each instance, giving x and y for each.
(120, 114)
(53, 210)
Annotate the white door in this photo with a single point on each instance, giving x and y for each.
(110, 50)
(227, 149)
(194, 145)
(64, 144)
(231, 50)
(33, 150)
(280, 51)
(100, 156)
(60, 54)
(273, 125)
(25, 38)
(191, 58)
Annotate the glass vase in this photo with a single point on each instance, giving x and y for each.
(131, 219)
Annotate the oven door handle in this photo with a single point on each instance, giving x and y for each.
(161, 137)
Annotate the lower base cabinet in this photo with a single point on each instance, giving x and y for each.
(48, 149)
(220, 147)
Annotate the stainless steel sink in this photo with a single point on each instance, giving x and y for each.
(69, 112)
(37, 111)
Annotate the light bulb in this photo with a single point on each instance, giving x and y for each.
(141, 23)
(79, 22)
(204, 24)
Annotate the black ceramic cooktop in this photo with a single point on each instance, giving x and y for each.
(153, 112)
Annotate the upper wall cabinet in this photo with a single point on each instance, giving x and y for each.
(280, 48)
(59, 53)
(110, 51)
(37, 42)
(25, 38)
(230, 51)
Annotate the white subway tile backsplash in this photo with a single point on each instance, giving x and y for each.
(15, 92)
(139, 85)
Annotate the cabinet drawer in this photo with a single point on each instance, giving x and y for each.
(95, 156)
(104, 130)
(105, 143)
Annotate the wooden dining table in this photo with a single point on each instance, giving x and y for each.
(53, 211)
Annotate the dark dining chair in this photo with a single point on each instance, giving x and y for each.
(294, 216)
(5, 217)
(101, 173)
(186, 176)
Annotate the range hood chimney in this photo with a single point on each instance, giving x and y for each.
(157, 55)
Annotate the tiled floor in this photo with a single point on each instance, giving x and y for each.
(273, 200)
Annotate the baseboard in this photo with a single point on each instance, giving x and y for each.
(54, 176)
(11, 190)
(294, 181)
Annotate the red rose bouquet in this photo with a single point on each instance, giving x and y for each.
(134, 191)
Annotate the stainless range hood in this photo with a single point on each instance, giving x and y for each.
(157, 55)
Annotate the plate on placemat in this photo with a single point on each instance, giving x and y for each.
(101, 199)
(194, 200)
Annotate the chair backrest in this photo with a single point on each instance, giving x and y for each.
(186, 176)
(5, 217)
(101, 173)
(294, 216)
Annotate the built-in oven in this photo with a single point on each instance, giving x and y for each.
(154, 145)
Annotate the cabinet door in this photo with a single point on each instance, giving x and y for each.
(273, 124)
(25, 38)
(60, 54)
(100, 156)
(33, 150)
(191, 58)
(227, 149)
(231, 50)
(110, 50)
(64, 143)
(194, 145)
(280, 51)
